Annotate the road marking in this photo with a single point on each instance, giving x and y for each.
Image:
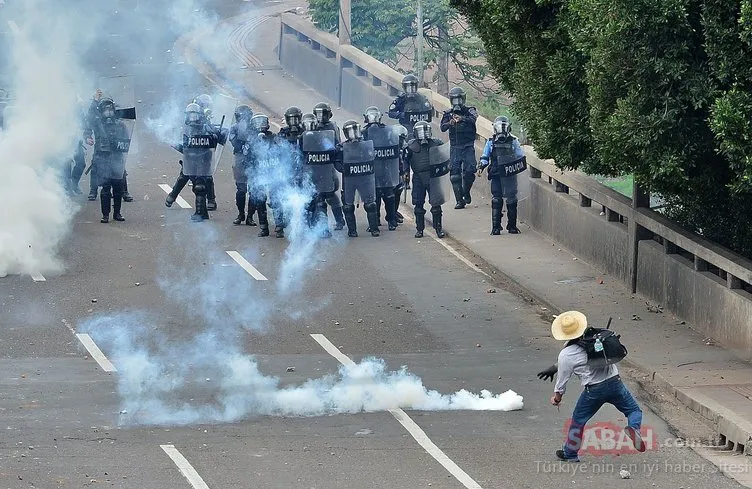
(96, 353)
(246, 266)
(415, 431)
(180, 201)
(185, 467)
(453, 251)
(38, 277)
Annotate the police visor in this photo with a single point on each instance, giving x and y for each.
(501, 128)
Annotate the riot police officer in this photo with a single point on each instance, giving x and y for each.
(207, 104)
(460, 122)
(410, 106)
(293, 134)
(429, 161)
(357, 168)
(323, 113)
(265, 177)
(112, 142)
(240, 132)
(200, 140)
(319, 154)
(505, 160)
(387, 148)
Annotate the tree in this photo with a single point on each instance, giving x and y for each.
(380, 27)
(657, 88)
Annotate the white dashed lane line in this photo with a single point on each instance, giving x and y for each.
(180, 201)
(246, 266)
(95, 352)
(185, 467)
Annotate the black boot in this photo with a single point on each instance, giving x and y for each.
(512, 218)
(263, 220)
(249, 217)
(496, 216)
(116, 205)
(459, 194)
(201, 213)
(436, 213)
(373, 218)
(339, 219)
(467, 185)
(211, 196)
(169, 200)
(240, 204)
(420, 221)
(349, 213)
(105, 200)
(390, 209)
(126, 195)
(319, 216)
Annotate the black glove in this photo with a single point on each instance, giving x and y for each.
(549, 373)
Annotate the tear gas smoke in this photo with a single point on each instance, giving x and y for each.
(40, 134)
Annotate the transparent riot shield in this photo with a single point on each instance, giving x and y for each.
(318, 159)
(386, 146)
(439, 174)
(358, 171)
(120, 89)
(514, 178)
(221, 118)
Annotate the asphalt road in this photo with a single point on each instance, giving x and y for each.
(184, 309)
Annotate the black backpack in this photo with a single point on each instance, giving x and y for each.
(602, 346)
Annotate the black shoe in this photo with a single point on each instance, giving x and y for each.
(263, 233)
(211, 205)
(169, 200)
(440, 233)
(418, 234)
(118, 217)
(339, 226)
(279, 233)
(468, 199)
(560, 455)
(239, 220)
(460, 205)
(104, 220)
(197, 218)
(375, 232)
(127, 197)
(495, 231)
(92, 196)
(392, 226)
(249, 221)
(514, 231)
(400, 218)
(352, 234)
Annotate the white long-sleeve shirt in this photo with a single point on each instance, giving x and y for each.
(573, 360)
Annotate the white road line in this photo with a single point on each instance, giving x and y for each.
(38, 277)
(180, 201)
(415, 431)
(246, 266)
(454, 252)
(185, 467)
(96, 353)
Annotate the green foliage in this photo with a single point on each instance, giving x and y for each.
(661, 89)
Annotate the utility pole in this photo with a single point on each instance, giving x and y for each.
(345, 32)
(419, 47)
(443, 64)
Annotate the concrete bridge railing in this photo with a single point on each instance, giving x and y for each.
(695, 279)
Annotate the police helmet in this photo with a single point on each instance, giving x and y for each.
(502, 127)
(293, 116)
(372, 115)
(205, 102)
(323, 112)
(351, 130)
(308, 121)
(193, 113)
(243, 113)
(401, 132)
(107, 108)
(410, 83)
(260, 123)
(422, 131)
(457, 96)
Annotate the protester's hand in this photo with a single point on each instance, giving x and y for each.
(549, 373)
(90, 141)
(556, 399)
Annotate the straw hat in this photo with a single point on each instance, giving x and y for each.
(569, 325)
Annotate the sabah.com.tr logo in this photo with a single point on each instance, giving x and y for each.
(604, 438)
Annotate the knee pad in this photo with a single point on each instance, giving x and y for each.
(419, 210)
(455, 177)
(106, 193)
(496, 203)
(436, 209)
(371, 207)
(348, 208)
(241, 187)
(199, 188)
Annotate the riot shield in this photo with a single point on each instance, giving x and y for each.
(439, 174)
(386, 146)
(121, 90)
(221, 117)
(509, 163)
(358, 171)
(417, 108)
(318, 157)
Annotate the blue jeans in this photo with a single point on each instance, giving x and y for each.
(611, 391)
